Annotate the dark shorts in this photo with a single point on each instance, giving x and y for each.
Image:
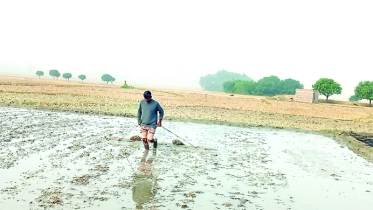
(147, 129)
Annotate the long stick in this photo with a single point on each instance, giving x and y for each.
(178, 136)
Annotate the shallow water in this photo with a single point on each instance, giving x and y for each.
(66, 161)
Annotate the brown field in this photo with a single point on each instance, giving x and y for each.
(331, 118)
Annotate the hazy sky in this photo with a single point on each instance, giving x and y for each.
(153, 41)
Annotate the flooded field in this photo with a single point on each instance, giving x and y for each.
(60, 160)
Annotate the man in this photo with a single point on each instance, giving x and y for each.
(147, 116)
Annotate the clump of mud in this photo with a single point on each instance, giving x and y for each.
(366, 138)
(135, 138)
(99, 198)
(49, 197)
(82, 180)
(177, 142)
(100, 169)
(124, 184)
(11, 190)
(5, 164)
(76, 146)
(115, 138)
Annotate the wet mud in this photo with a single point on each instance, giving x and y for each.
(56, 160)
(366, 138)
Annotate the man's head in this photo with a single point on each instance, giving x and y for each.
(148, 96)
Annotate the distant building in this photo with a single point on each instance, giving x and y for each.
(307, 95)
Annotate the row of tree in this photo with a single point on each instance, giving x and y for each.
(230, 82)
(267, 86)
(107, 78)
(214, 82)
(56, 74)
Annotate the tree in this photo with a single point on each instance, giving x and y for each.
(67, 76)
(58, 74)
(327, 87)
(54, 73)
(288, 86)
(239, 86)
(40, 73)
(354, 98)
(229, 86)
(107, 78)
(364, 90)
(82, 77)
(245, 87)
(112, 80)
(214, 82)
(268, 86)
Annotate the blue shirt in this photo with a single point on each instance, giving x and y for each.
(147, 113)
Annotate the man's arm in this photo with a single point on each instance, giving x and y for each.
(161, 113)
(139, 113)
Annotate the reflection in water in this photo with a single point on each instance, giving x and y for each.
(144, 181)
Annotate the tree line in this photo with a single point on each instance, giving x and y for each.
(267, 86)
(231, 82)
(56, 74)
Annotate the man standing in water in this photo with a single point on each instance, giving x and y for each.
(147, 116)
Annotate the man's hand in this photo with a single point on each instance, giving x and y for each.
(159, 123)
(139, 123)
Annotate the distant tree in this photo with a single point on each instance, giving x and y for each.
(67, 76)
(214, 82)
(107, 78)
(229, 86)
(268, 86)
(58, 74)
(327, 87)
(245, 87)
(40, 73)
(239, 86)
(288, 86)
(82, 77)
(54, 73)
(354, 98)
(112, 80)
(364, 90)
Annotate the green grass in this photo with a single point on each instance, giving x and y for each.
(126, 86)
(265, 101)
(29, 103)
(171, 93)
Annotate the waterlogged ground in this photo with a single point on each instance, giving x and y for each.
(59, 160)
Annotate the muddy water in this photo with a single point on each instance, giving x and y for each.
(70, 161)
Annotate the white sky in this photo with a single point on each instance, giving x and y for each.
(153, 41)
